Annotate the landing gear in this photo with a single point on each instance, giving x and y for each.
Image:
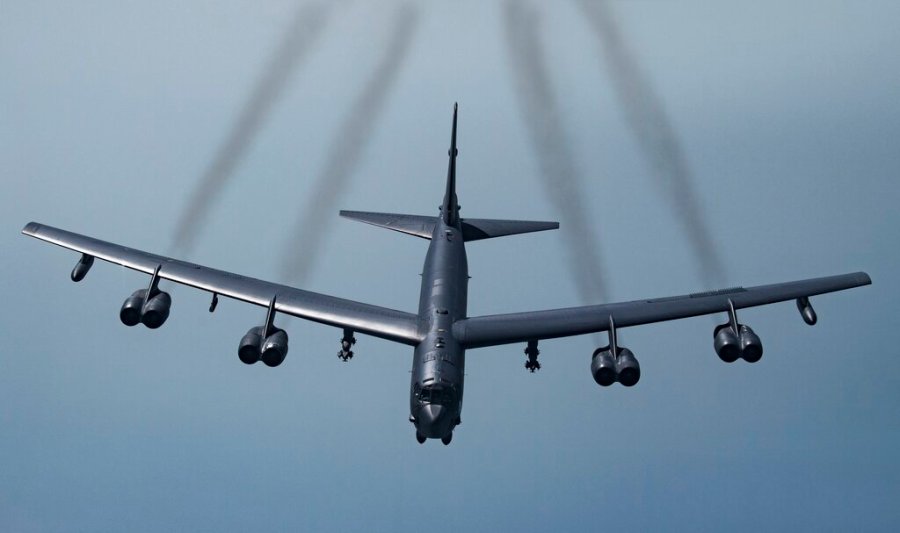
(420, 438)
(532, 364)
(348, 340)
(447, 438)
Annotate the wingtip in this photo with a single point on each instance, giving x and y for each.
(31, 228)
(864, 278)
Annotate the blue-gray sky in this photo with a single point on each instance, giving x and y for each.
(789, 119)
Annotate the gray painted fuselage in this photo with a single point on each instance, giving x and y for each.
(436, 389)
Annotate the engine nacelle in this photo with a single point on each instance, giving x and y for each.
(131, 311)
(603, 367)
(275, 348)
(628, 371)
(727, 343)
(751, 345)
(249, 348)
(156, 310)
(743, 344)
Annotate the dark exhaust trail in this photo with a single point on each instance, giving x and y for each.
(656, 136)
(349, 144)
(562, 181)
(302, 33)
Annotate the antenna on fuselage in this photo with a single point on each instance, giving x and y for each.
(450, 207)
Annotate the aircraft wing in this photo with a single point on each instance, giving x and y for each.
(380, 322)
(521, 327)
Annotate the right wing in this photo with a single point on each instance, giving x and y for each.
(536, 325)
(380, 322)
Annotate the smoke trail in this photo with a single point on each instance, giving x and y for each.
(656, 136)
(349, 144)
(301, 35)
(562, 181)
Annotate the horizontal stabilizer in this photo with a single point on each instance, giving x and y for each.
(418, 225)
(475, 229)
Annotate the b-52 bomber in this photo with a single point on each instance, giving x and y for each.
(441, 331)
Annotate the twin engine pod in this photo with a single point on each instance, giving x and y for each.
(256, 346)
(266, 342)
(152, 311)
(623, 368)
(733, 340)
(149, 306)
(615, 363)
(731, 344)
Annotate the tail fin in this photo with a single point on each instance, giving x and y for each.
(473, 229)
(450, 206)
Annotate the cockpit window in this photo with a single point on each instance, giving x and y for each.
(438, 395)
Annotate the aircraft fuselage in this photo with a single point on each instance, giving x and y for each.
(436, 388)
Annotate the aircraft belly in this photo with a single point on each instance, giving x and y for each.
(436, 387)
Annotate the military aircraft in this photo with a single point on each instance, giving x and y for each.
(441, 331)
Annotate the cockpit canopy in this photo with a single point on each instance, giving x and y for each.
(436, 394)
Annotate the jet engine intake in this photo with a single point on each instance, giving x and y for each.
(156, 310)
(727, 343)
(275, 348)
(130, 314)
(150, 306)
(249, 348)
(751, 345)
(628, 371)
(743, 344)
(607, 369)
(270, 350)
(603, 367)
(266, 342)
(613, 363)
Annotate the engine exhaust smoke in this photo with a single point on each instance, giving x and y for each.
(349, 144)
(301, 35)
(655, 134)
(562, 181)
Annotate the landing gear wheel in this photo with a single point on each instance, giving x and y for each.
(447, 438)
(420, 438)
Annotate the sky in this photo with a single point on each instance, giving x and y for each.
(787, 118)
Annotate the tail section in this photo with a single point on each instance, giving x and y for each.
(450, 206)
(473, 229)
(417, 225)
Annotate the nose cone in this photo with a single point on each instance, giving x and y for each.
(433, 420)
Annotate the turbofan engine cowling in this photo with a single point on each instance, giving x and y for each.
(130, 314)
(603, 367)
(727, 343)
(628, 370)
(249, 348)
(275, 348)
(751, 345)
(156, 310)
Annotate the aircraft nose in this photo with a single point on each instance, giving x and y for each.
(434, 420)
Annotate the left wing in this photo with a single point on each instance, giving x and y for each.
(536, 325)
(377, 321)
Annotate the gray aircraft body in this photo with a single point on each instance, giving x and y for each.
(442, 331)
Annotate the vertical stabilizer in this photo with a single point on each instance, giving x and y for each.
(450, 207)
